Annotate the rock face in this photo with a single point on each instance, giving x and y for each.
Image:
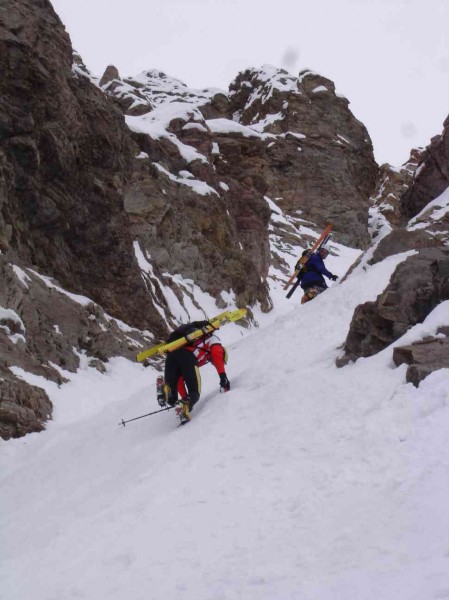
(392, 183)
(65, 155)
(413, 197)
(46, 332)
(320, 161)
(228, 156)
(432, 177)
(24, 408)
(410, 211)
(191, 212)
(416, 287)
(402, 240)
(424, 357)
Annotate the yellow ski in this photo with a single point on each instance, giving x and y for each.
(228, 316)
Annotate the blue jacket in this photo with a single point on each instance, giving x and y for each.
(313, 273)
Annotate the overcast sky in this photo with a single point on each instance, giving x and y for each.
(390, 58)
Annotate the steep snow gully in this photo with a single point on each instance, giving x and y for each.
(303, 482)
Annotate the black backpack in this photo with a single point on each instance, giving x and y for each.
(186, 329)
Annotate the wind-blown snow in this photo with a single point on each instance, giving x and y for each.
(303, 482)
(268, 120)
(200, 187)
(319, 88)
(21, 275)
(156, 122)
(228, 126)
(82, 300)
(273, 79)
(11, 315)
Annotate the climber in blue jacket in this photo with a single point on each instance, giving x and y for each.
(311, 275)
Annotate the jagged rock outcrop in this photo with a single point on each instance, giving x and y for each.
(385, 214)
(402, 240)
(407, 198)
(24, 408)
(424, 357)
(186, 218)
(320, 159)
(80, 67)
(127, 97)
(432, 177)
(239, 153)
(416, 287)
(410, 212)
(220, 243)
(109, 75)
(46, 332)
(65, 155)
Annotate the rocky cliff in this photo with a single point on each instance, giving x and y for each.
(410, 213)
(65, 157)
(319, 161)
(432, 178)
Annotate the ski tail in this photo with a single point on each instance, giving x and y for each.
(293, 289)
(302, 261)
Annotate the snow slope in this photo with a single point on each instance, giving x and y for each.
(304, 482)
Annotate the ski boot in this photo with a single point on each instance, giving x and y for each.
(160, 392)
(182, 410)
(309, 295)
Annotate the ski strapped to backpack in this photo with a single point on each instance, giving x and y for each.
(302, 261)
(303, 267)
(208, 327)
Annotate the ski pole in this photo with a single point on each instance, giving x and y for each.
(147, 415)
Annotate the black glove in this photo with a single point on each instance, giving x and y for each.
(333, 277)
(225, 386)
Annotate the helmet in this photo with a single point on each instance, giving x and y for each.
(325, 247)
